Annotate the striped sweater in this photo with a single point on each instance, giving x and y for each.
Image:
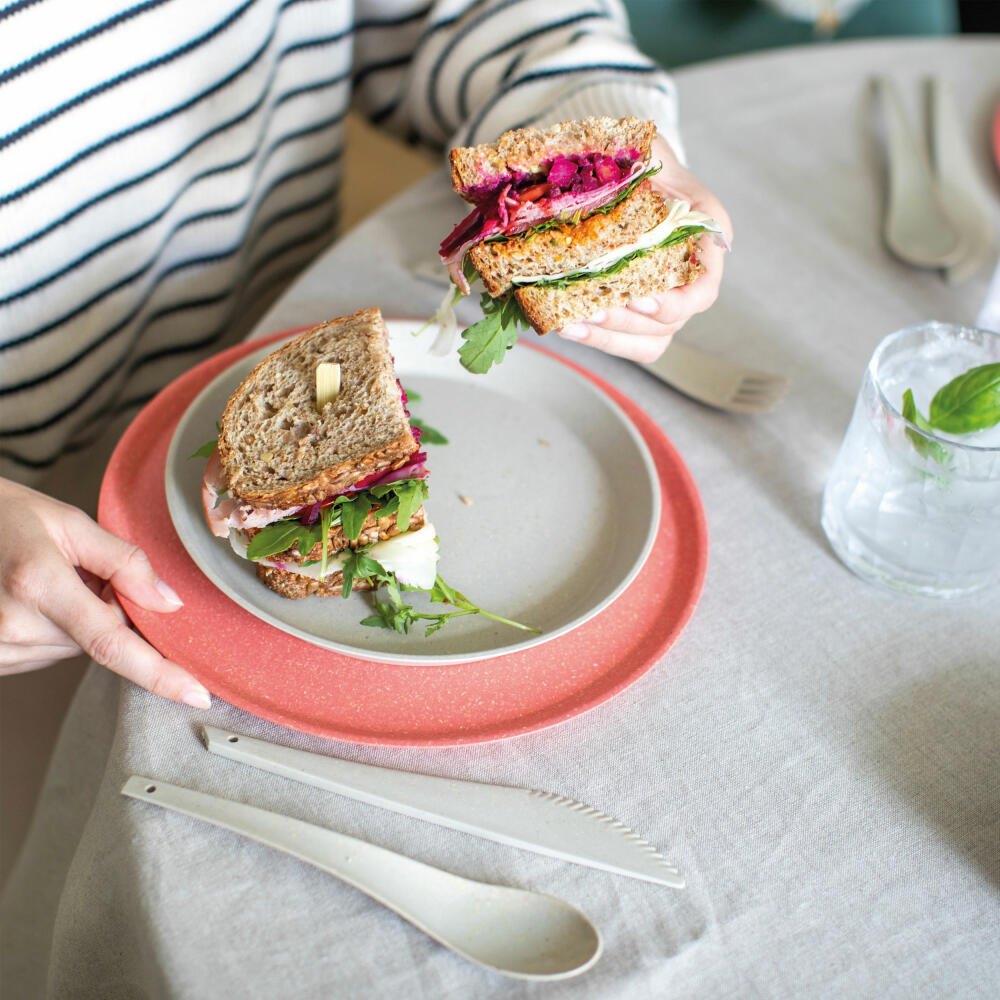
(166, 166)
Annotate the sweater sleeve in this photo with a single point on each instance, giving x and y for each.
(460, 72)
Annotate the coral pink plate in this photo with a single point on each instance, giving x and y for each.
(296, 683)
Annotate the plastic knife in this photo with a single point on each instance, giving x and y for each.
(543, 822)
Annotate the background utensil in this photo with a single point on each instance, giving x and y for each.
(526, 935)
(717, 382)
(536, 821)
(916, 227)
(958, 181)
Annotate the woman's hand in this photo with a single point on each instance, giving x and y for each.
(642, 331)
(57, 569)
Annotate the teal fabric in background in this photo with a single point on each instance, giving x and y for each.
(678, 32)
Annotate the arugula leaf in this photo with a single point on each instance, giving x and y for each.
(486, 343)
(205, 451)
(308, 538)
(924, 446)
(360, 566)
(428, 435)
(970, 402)
(412, 395)
(278, 537)
(393, 614)
(408, 494)
(325, 520)
(677, 236)
(354, 511)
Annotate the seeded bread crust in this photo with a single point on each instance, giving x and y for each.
(296, 586)
(277, 451)
(552, 308)
(568, 246)
(375, 529)
(526, 150)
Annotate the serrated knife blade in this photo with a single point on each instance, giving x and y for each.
(543, 822)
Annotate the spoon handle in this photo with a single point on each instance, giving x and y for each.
(917, 228)
(435, 901)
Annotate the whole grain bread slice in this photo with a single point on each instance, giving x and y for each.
(295, 585)
(568, 246)
(524, 152)
(278, 451)
(552, 308)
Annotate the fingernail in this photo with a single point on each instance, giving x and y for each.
(197, 697)
(599, 317)
(575, 331)
(646, 305)
(169, 594)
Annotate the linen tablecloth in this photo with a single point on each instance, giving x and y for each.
(820, 758)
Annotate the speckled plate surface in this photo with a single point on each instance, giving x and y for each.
(297, 683)
(560, 507)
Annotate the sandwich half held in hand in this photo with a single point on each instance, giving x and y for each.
(306, 476)
(566, 223)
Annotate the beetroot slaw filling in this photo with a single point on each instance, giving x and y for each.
(569, 184)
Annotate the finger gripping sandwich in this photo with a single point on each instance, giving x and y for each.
(565, 223)
(298, 487)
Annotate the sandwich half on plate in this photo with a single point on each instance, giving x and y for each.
(318, 477)
(565, 223)
(306, 474)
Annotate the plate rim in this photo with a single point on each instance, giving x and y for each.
(416, 659)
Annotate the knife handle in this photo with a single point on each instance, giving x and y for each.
(416, 795)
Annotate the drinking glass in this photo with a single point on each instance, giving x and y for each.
(917, 510)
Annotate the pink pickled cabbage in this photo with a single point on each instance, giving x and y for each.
(579, 186)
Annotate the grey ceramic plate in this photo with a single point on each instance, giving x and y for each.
(563, 506)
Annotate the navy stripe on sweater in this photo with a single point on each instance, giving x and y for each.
(243, 245)
(64, 46)
(177, 109)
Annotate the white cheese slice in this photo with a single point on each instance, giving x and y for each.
(680, 213)
(411, 555)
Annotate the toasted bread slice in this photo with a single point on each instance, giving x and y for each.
(552, 308)
(525, 152)
(295, 585)
(570, 245)
(278, 451)
(375, 529)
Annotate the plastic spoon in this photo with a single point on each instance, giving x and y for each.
(917, 229)
(515, 932)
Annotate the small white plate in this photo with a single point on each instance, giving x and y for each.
(563, 506)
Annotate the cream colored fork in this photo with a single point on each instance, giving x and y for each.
(716, 382)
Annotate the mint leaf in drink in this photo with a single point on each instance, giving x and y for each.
(428, 435)
(924, 446)
(486, 343)
(968, 403)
